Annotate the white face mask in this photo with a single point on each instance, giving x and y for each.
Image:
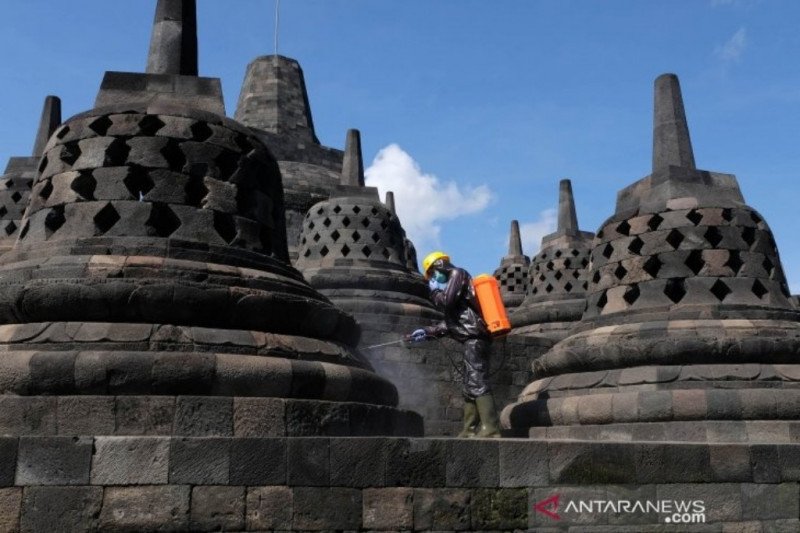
(439, 277)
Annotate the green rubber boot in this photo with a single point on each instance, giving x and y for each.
(490, 425)
(470, 420)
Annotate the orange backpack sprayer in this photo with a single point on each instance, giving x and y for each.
(493, 312)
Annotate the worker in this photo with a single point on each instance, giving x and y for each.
(452, 293)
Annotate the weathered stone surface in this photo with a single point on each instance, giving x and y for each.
(472, 463)
(10, 504)
(8, 461)
(269, 508)
(388, 509)
(326, 508)
(523, 464)
(308, 462)
(499, 509)
(199, 461)
(442, 509)
(60, 508)
(416, 462)
(217, 509)
(130, 461)
(90, 415)
(358, 462)
(145, 508)
(769, 502)
(257, 462)
(145, 415)
(199, 416)
(54, 461)
(258, 417)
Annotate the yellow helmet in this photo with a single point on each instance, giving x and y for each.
(430, 259)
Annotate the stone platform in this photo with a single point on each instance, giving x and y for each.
(387, 484)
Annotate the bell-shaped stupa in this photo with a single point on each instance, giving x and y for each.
(512, 274)
(557, 280)
(274, 103)
(16, 182)
(151, 274)
(353, 251)
(688, 332)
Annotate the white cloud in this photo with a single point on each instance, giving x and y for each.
(532, 232)
(733, 48)
(423, 201)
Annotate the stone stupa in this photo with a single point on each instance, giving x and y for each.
(274, 104)
(150, 290)
(16, 182)
(557, 280)
(512, 274)
(688, 333)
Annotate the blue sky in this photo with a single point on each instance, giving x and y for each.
(477, 108)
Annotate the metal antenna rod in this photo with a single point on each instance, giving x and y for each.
(277, 22)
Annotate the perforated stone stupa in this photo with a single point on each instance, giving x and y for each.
(353, 251)
(512, 274)
(557, 281)
(274, 103)
(16, 183)
(151, 284)
(688, 332)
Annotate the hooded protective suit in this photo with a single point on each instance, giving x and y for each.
(463, 322)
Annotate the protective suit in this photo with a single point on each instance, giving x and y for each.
(452, 293)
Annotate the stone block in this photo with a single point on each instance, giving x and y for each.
(655, 406)
(765, 463)
(631, 493)
(8, 460)
(730, 462)
(204, 416)
(259, 417)
(499, 509)
(326, 508)
(60, 508)
(86, 415)
(310, 418)
(21, 415)
(358, 462)
(54, 461)
(130, 461)
(258, 461)
(388, 509)
(53, 372)
(10, 504)
(145, 415)
(308, 462)
(597, 462)
(523, 463)
(416, 463)
(770, 501)
(789, 458)
(199, 461)
(217, 509)
(128, 509)
(472, 463)
(722, 501)
(442, 509)
(672, 463)
(556, 501)
(269, 508)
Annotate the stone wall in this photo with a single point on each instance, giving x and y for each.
(386, 484)
(428, 376)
